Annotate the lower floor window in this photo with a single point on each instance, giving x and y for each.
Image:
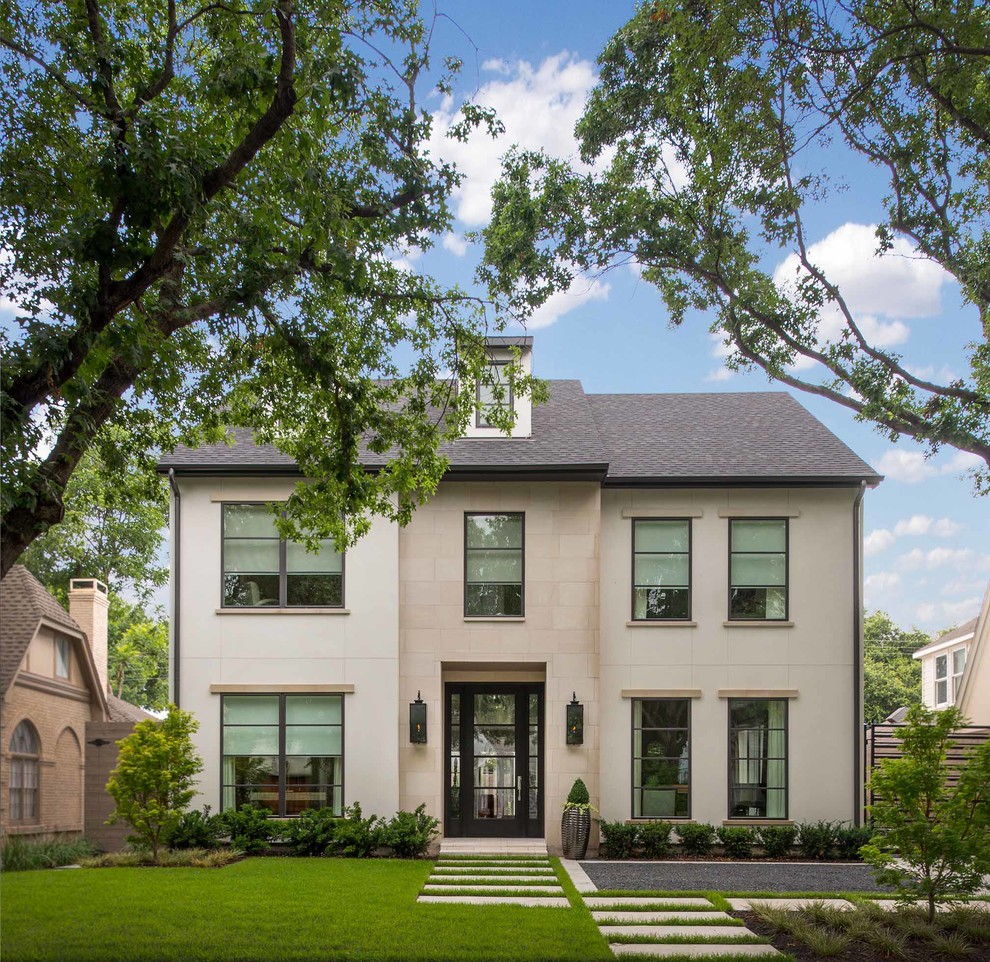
(661, 757)
(283, 752)
(22, 784)
(758, 758)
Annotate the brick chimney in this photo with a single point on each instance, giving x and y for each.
(88, 605)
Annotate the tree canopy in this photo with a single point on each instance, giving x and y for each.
(203, 211)
(711, 139)
(891, 677)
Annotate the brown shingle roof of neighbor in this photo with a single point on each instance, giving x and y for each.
(123, 711)
(659, 438)
(24, 602)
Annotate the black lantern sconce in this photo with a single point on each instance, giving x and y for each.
(575, 722)
(417, 720)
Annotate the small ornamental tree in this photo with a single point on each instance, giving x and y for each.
(934, 840)
(153, 781)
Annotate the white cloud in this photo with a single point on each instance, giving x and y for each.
(911, 467)
(877, 541)
(538, 107)
(949, 612)
(946, 528)
(962, 461)
(919, 524)
(581, 292)
(958, 558)
(881, 582)
(719, 374)
(963, 585)
(456, 244)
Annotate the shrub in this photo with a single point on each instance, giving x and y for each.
(578, 795)
(618, 839)
(777, 840)
(737, 840)
(195, 829)
(849, 839)
(935, 841)
(172, 858)
(22, 854)
(153, 781)
(817, 839)
(312, 833)
(249, 828)
(655, 839)
(408, 834)
(354, 836)
(697, 839)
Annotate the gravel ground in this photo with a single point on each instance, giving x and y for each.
(732, 876)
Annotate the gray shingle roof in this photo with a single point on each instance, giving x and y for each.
(967, 628)
(640, 437)
(123, 711)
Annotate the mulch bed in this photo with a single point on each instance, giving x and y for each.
(917, 950)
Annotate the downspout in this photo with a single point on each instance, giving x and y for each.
(859, 763)
(176, 583)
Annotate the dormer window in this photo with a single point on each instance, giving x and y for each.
(487, 399)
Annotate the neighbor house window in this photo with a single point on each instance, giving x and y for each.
(283, 753)
(758, 758)
(758, 569)
(958, 667)
(22, 790)
(262, 570)
(942, 680)
(661, 570)
(61, 657)
(661, 758)
(486, 395)
(493, 565)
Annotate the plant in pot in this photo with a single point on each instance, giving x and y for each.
(575, 823)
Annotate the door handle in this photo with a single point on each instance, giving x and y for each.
(519, 788)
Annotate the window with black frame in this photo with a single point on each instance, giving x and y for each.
(661, 569)
(758, 758)
(283, 753)
(263, 570)
(758, 569)
(493, 565)
(661, 758)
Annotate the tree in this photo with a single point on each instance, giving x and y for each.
(137, 661)
(891, 677)
(116, 515)
(202, 213)
(154, 778)
(934, 840)
(714, 129)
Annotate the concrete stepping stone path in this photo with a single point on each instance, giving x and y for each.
(494, 880)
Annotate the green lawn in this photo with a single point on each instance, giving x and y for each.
(272, 909)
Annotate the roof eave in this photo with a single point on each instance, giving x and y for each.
(745, 481)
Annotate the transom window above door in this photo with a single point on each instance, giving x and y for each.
(493, 565)
(661, 569)
(263, 570)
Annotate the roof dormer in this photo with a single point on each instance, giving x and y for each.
(501, 352)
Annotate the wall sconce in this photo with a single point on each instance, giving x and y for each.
(575, 722)
(417, 720)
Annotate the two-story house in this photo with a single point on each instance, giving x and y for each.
(685, 567)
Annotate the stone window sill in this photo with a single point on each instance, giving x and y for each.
(283, 611)
(757, 821)
(673, 819)
(496, 618)
(757, 624)
(661, 624)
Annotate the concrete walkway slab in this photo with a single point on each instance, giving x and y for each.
(708, 949)
(578, 876)
(492, 846)
(684, 931)
(743, 905)
(890, 905)
(529, 902)
(432, 889)
(609, 901)
(491, 879)
(646, 918)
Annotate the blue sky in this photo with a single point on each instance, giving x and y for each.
(927, 560)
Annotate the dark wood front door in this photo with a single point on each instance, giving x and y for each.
(493, 738)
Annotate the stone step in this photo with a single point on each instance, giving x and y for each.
(431, 889)
(665, 931)
(645, 918)
(470, 880)
(496, 870)
(707, 949)
(503, 863)
(743, 905)
(657, 901)
(529, 901)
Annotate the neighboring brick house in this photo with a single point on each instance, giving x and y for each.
(53, 687)
(686, 566)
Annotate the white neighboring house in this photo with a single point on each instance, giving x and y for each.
(955, 669)
(687, 567)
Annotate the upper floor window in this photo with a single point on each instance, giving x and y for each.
(958, 667)
(942, 681)
(261, 569)
(661, 569)
(661, 758)
(758, 758)
(22, 785)
(61, 656)
(758, 569)
(487, 399)
(493, 565)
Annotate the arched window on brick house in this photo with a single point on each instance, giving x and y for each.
(25, 749)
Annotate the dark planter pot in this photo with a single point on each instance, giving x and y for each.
(575, 830)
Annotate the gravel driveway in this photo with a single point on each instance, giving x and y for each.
(732, 876)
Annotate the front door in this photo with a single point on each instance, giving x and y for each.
(493, 735)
